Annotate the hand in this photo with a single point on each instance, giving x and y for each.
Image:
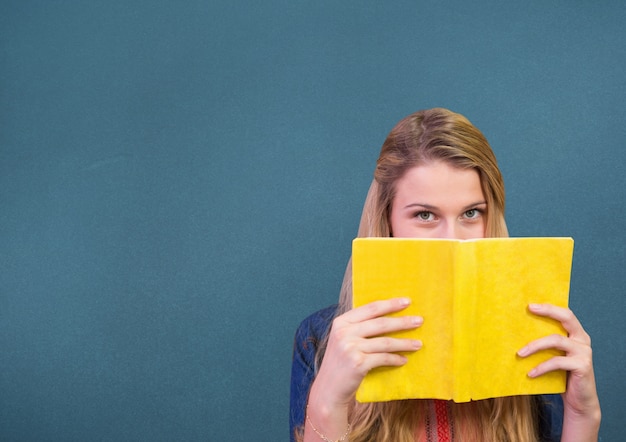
(580, 400)
(355, 346)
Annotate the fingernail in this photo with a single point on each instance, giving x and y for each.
(534, 307)
(416, 344)
(417, 320)
(405, 301)
(532, 373)
(523, 352)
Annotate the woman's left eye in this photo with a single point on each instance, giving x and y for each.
(472, 213)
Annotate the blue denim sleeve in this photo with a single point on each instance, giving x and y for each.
(308, 335)
(550, 417)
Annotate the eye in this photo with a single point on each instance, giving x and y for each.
(473, 213)
(425, 215)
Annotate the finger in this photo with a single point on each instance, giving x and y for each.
(362, 356)
(376, 309)
(362, 363)
(579, 364)
(390, 345)
(577, 355)
(385, 325)
(386, 360)
(566, 317)
(558, 342)
(553, 364)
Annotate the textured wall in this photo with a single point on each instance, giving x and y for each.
(180, 183)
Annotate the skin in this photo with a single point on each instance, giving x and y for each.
(436, 200)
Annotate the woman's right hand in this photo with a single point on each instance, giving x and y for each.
(355, 346)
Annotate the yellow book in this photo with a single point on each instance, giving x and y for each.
(473, 296)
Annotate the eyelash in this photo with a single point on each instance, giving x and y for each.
(480, 212)
(422, 212)
(475, 209)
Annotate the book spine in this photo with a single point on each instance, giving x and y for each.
(464, 318)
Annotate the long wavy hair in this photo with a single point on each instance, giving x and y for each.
(423, 137)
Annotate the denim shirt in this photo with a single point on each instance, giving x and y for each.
(313, 329)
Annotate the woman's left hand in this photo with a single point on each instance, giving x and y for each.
(580, 400)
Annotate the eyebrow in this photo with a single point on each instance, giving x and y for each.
(431, 207)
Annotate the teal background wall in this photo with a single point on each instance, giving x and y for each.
(180, 183)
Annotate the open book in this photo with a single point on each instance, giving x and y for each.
(473, 296)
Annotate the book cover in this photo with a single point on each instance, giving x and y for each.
(474, 296)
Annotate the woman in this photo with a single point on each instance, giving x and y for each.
(436, 177)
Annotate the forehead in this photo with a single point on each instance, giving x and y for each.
(437, 184)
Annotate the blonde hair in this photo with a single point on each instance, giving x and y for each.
(423, 137)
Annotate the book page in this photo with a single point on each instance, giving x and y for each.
(511, 275)
(390, 268)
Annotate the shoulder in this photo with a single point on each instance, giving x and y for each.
(319, 322)
(314, 327)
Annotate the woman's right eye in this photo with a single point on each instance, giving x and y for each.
(424, 216)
